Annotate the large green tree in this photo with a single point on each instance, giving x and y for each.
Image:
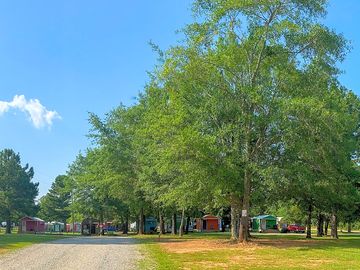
(17, 191)
(246, 110)
(54, 206)
(114, 138)
(241, 62)
(320, 143)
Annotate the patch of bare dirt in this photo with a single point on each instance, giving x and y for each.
(201, 245)
(192, 246)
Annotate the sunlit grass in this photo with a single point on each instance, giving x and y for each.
(268, 251)
(13, 241)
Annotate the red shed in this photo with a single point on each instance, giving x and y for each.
(208, 223)
(31, 225)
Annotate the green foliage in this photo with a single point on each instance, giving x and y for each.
(54, 206)
(17, 191)
(247, 112)
(90, 192)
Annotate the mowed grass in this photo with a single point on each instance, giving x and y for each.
(266, 251)
(14, 241)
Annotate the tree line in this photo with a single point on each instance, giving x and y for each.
(245, 115)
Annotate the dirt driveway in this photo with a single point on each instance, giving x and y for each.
(105, 253)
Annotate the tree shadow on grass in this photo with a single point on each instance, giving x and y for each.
(324, 243)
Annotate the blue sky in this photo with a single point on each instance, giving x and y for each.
(77, 56)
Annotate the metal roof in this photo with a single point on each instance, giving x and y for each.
(210, 217)
(264, 217)
(34, 218)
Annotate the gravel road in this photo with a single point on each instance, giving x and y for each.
(105, 253)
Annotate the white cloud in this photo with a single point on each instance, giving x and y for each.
(37, 113)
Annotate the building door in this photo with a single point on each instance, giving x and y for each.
(263, 224)
(204, 225)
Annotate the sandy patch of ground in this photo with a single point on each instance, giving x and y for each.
(192, 246)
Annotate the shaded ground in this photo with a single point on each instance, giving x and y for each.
(75, 253)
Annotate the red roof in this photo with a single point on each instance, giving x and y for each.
(209, 217)
(32, 219)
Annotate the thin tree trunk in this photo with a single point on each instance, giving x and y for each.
(349, 227)
(102, 232)
(308, 222)
(126, 225)
(187, 225)
(141, 222)
(162, 224)
(244, 229)
(90, 230)
(8, 226)
(235, 217)
(173, 224)
(320, 225)
(181, 229)
(334, 226)
(326, 225)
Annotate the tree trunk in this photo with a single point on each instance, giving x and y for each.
(187, 225)
(320, 225)
(162, 224)
(126, 225)
(334, 226)
(173, 224)
(326, 225)
(102, 232)
(349, 227)
(235, 217)
(90, 229)
(308, 222)
(8, 226)
(64, 230)
(244, 228)
(181, 229)
(141, 222)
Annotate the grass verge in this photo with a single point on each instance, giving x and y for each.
(10, 242)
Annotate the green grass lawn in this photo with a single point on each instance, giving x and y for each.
(267, 251)
(15, 241)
